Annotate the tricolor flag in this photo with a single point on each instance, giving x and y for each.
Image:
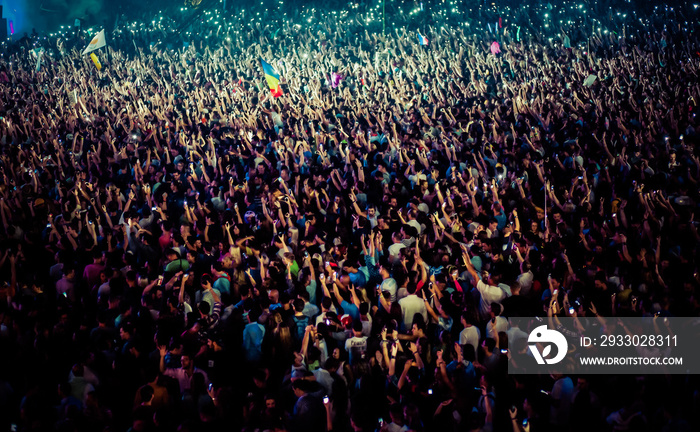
(272, 78)
(422, 40)
(96, 43)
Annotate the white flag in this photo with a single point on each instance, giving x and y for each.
(590, 80)
(96, 43)
(39, 58)
(72, 96)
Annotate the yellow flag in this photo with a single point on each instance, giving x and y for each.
(96, 61)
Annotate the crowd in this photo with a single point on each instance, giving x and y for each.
(182, 251)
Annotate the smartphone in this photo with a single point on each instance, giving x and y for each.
(504, 351)
(326, 399)
(571, 311)
(48, 225)
(154, 208)
(556, 291)
(211, 386)
(381, 422)
(430, 391)
(65, 294)
(525, 422)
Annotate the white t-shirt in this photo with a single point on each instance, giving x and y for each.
(489, 294)
(411, 305)
(356, 347)
(394, 251)
(470, 335)
(501, 326)
(414, 223)
(393, 427)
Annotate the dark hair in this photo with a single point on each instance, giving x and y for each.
(204, 307)
(146, 392)
(364, 308)
(411, 288)
(326, 303)
(357, 325)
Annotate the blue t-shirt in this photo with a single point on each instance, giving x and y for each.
(502, 219)
(311, 289)
(222, 285)
(351, 310)
(253, 335)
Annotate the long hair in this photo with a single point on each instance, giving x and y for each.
(283, 335)
(294, 240)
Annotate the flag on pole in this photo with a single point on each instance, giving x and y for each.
(39, 58)
(96, 43)
(272, 78)
(38, 54)
(567, 42)
(422, 40)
